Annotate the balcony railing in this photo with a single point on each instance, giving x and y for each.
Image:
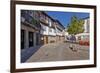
(36, 23)
(29, 19)
(44, 20)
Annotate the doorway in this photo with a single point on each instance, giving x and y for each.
(31, 42)
(22, 39)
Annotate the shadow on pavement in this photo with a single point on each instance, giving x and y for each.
(27, 53)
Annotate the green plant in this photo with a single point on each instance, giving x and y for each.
(76, 26)
(34, 22)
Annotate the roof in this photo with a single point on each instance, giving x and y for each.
(48, 15)
(53, 19)
(60, 24)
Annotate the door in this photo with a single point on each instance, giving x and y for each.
(22, 38)
(46, 39)
(31, 39)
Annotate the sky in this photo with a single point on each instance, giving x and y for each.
(65, 17)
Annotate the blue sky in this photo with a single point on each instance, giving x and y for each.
(65, 17)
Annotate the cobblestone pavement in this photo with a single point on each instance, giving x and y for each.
(59, 52)
(28, 52)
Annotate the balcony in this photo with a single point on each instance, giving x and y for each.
(29, 20)
(53, 25)
(43, 20)
(36, 23)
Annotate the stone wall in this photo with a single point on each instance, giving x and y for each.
(51, 39)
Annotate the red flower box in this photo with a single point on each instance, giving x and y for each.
(84, 42)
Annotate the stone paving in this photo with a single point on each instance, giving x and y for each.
(28, 52)
(59, 52)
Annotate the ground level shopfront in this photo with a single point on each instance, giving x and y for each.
(60, 38)
(30, 37)
(45, 39)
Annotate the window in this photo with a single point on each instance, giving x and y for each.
(50, 30)
(43, 27)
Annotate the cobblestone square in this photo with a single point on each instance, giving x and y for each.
(59, 52)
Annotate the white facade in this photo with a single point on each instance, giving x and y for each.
(51, 29)
(84, 36)
(44, 29)
(47, 30)
(52, 32)
(65, 33)
(58, 32)
(86, 25)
